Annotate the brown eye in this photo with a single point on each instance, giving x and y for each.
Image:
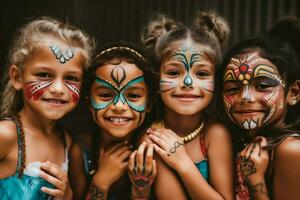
(202, 74)
(173, 73)
(43, 75)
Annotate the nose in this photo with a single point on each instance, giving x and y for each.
(187, 81)
(119, 106)
(246, 95)
(57, 87)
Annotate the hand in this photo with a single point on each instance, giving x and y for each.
(170, 147)
(254, 161)
(142, 171)
(57, 177)
(112, 164)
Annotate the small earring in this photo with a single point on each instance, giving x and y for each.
(293, 102)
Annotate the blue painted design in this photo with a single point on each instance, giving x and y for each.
(188, 64)
(119, 95)
(202, 166)
(62, 57)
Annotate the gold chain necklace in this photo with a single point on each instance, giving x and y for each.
(192, 135)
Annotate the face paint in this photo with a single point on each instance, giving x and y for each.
(252, 90)
(60, 55)
(75, 90)
(119, 94)
(187, 56)
(35, 89)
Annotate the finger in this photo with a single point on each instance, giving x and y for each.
(161, 143)
(149, 160)
(161, 133)
(263, 142)
(249, 150)
(52, 192)
(162, 153)
(113, 147)
(255, 151)
(124, 155)
(117, 152)
(154, 168)
(131, 163)
(53, 180)
(139, 159)
(54, 170)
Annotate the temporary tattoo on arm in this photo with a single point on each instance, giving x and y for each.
(60, 55)
(176, 145)
(247, 166)
(141, 186)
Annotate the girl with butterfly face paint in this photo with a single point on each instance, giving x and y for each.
(119, 102)
(260, 89)
(45, 77)
(187, 60)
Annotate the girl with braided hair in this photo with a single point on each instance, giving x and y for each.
(47, 61)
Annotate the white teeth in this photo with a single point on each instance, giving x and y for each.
(55, 101)
(117, 119)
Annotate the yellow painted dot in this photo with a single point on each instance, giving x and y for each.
(241, 77)
(247, 76)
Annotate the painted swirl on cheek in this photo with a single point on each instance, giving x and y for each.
(166, 85)
(207, 85)
(75, 90)
(35, 89)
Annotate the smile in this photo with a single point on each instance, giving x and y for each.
(248, 112)
(55, 101)
(186, 97)
(118, 120)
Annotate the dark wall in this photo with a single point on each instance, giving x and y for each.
(113, 20)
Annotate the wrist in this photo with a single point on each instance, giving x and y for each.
(184, 166)
(138, 194)
(100, 182)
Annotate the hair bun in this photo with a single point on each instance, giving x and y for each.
(162, 24)
(211, 22)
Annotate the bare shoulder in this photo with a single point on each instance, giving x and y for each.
(217, 131)
(289, 149)
(8, 137)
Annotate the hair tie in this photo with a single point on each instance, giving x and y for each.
(120, 48)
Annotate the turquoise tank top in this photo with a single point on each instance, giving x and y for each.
(202, 166)
(28, 186)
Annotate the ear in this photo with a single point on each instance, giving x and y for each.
(293, 95)
(15, 75)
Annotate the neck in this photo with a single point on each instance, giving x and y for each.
(181, 124)
(36, 123)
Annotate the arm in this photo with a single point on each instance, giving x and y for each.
(166, 180)
(78, 180)
(8, 144)
(287, 170)
(196, 185)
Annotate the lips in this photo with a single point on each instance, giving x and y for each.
(118, 120)
(54, 101)
(248, 112)
(186, 97)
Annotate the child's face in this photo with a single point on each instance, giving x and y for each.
(186, 78)
(51, 80)
(119, 98)
(253, 91)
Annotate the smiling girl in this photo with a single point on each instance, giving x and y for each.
(47, 62)
(195, 158)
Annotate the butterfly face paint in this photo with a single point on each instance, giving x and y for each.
(253, 91)
(119, 97)
(187, 78)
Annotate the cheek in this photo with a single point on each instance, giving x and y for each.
(35, 89)
(74, 89)
(228, 101)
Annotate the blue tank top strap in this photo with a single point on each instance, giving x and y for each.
(20, 145)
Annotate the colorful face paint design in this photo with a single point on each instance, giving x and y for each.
(35, 89)
(252, 89)
(60, 55)
(187, 56)
(119, 94)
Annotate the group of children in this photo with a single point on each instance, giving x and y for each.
(172, 120)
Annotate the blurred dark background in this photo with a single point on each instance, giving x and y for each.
(113, 20)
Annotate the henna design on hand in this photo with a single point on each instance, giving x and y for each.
(96, 194)
(258, 188)
(247, 166)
